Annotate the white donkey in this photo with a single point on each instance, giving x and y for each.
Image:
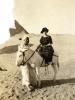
(30, 62)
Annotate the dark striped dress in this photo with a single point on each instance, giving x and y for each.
(46, 50)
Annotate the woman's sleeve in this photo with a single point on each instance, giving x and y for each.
(41, 40)
(50, 40)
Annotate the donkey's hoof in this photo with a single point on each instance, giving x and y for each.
(38, 84)
(30, 88)
(54, 80)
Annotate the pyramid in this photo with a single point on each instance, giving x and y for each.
(18, 29)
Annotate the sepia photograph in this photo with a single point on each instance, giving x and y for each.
(37, 50)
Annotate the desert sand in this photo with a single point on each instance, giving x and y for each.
(62, 89)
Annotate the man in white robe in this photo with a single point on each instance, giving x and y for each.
(28, 71)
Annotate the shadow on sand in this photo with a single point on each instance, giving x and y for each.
(9, 49)
(47, 83)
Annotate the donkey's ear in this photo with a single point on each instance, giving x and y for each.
(20, 38)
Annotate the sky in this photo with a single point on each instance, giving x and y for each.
(6, 19)
(57, 15)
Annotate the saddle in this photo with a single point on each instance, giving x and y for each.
(46, 52)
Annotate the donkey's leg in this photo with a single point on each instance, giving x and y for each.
(38, 76)
(58, 65)
(46, 69)
(55, 71)
(25, 77)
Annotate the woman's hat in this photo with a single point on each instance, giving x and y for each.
(44, 30)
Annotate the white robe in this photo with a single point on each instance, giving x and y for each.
(28, 75)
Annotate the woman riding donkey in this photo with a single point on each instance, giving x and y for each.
(45, 48)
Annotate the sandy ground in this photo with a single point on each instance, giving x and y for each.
(62, 89)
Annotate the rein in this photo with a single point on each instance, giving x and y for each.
(28, 58)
